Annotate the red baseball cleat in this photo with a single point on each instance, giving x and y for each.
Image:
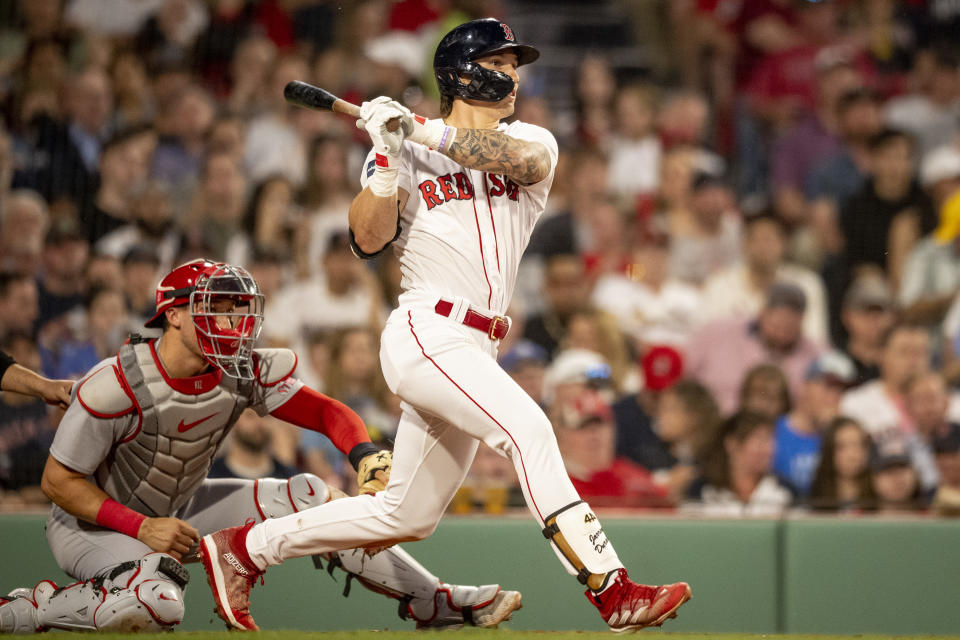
(230, 574)
(628, 606)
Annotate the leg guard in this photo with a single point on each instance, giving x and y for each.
(396, 574)
(455, 606)
(392, 572)
(276, 498)
(143, 595)
(18, 613)
(579, 539)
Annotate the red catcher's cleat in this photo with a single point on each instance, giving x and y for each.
(628, 606)
(230, 574)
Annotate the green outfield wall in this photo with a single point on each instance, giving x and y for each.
(761, 576)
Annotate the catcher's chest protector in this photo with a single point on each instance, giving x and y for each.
(157, 470)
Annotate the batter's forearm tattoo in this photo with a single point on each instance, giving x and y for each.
(495, 152)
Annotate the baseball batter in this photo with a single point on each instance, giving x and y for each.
(127, 471)
(457, 198)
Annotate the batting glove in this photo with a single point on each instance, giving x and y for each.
(375, 117)
(373, 472)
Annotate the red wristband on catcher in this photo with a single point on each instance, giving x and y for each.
(114, 515)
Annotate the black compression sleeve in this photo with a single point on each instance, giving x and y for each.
(360, 452)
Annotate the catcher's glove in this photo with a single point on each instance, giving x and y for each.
(373, 472)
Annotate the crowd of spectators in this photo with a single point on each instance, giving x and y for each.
(742, 298)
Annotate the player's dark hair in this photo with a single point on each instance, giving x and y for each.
(446, 105)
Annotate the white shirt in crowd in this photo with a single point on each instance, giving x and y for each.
(929, 123)
(118, 18)
(885, 419)
(324, 223)
(769, 499)
(308, 306)
(667, 316)
(634, 166)
(951, 325)
(274, 147)
(119, 241)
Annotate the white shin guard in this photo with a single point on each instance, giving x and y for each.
(18, 613)
(392, 572)
(579, 541)
(431, 603)
(143, 595)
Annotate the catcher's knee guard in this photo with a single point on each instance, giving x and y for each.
(18, 613)
(141, 595)
(579, 539)
(276, 497)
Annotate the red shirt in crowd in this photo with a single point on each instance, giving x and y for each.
(623, 484)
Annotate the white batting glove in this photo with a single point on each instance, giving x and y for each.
(375, 116)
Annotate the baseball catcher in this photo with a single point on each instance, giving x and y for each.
(127, 471)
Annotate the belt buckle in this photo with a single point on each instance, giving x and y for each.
(493, 326)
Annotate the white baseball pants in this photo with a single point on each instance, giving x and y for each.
(455, 394)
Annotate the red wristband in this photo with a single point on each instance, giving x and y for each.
(115, 516)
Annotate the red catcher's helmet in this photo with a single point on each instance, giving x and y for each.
(226, 338)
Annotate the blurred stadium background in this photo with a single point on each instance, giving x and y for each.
(751, 256)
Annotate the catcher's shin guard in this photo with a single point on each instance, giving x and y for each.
(18, 613)
(579, 539)
(396, 574)
(392, 572)
(140, 595)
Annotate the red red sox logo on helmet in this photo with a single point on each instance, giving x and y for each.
(507, 32)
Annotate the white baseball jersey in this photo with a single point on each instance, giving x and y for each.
(463, 231)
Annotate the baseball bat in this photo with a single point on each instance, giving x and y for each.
(308, 96)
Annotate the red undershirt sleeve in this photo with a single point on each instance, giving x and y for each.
(313, 410)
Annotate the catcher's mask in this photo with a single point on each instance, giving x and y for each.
(226, 307)
(459, 49)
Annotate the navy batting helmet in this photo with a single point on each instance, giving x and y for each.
(456, 54)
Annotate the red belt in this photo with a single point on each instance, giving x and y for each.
(496, 327)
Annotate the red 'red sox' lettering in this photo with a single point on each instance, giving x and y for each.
(511, 188)
(429, 192)
(449, 187)
(446, 188)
